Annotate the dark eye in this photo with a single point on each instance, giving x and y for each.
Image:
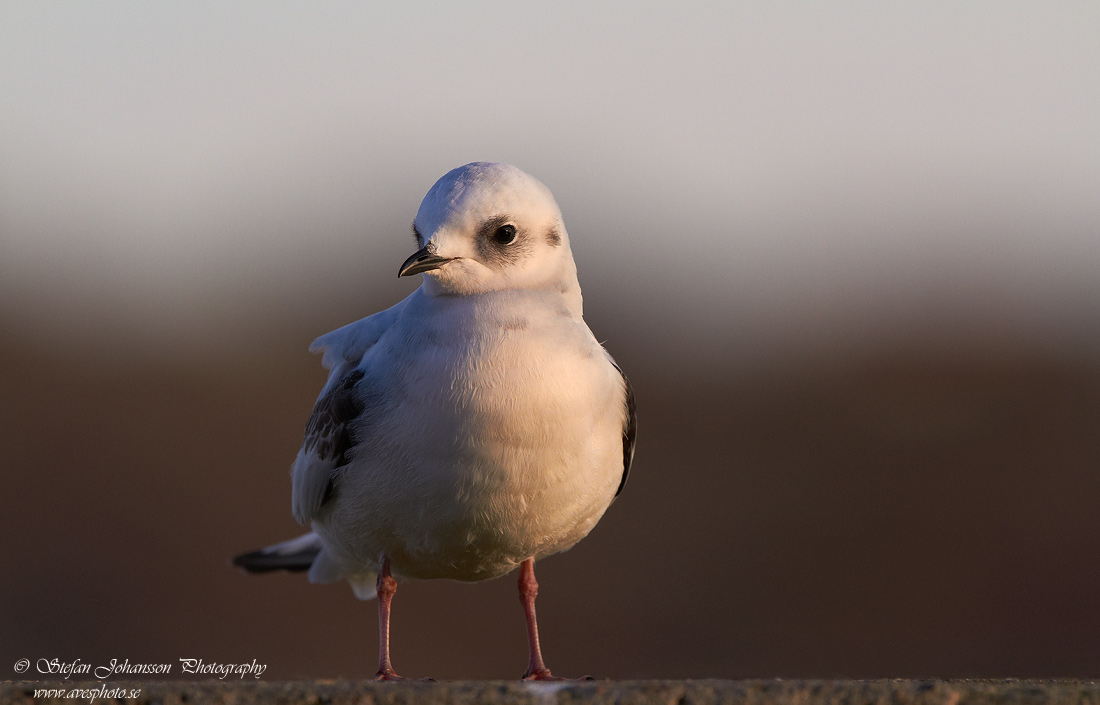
(505, 234)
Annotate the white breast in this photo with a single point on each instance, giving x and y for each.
(498, 438)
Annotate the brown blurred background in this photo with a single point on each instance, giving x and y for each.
(847, 256)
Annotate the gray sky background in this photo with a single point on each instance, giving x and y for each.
(173, 175)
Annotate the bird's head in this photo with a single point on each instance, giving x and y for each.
(490, 227)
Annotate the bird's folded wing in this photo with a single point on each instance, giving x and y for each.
(327, 445)
(330, 437)
(346, 345)
(630, 424)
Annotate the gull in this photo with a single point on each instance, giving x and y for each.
(473, 428)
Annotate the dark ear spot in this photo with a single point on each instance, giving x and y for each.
(553, 236)
(419, 238)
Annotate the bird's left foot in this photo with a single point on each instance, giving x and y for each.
(543, 674)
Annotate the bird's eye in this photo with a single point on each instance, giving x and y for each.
(505, 234)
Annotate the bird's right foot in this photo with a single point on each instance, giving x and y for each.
(543, 674)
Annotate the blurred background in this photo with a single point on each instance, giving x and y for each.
(847, 253)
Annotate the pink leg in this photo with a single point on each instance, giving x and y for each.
(387, 588)
(528, 590)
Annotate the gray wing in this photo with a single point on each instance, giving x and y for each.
(329, 440)
(330, 432)
(630, 428)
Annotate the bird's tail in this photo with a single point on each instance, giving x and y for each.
(306, 553)
(297, 555)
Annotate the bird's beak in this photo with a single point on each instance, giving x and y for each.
(422, 260)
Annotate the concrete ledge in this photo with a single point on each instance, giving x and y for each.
(691, 692)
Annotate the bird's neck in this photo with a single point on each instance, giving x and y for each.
(558, 299)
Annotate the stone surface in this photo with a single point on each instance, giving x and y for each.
(690, 692)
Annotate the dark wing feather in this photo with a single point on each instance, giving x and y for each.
(295, 555)
(328, 441)
(264, 562)
(630, 429)
(327, 433)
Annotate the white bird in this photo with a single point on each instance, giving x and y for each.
(476, 426)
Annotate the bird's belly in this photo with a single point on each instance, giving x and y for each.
(488, 480)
